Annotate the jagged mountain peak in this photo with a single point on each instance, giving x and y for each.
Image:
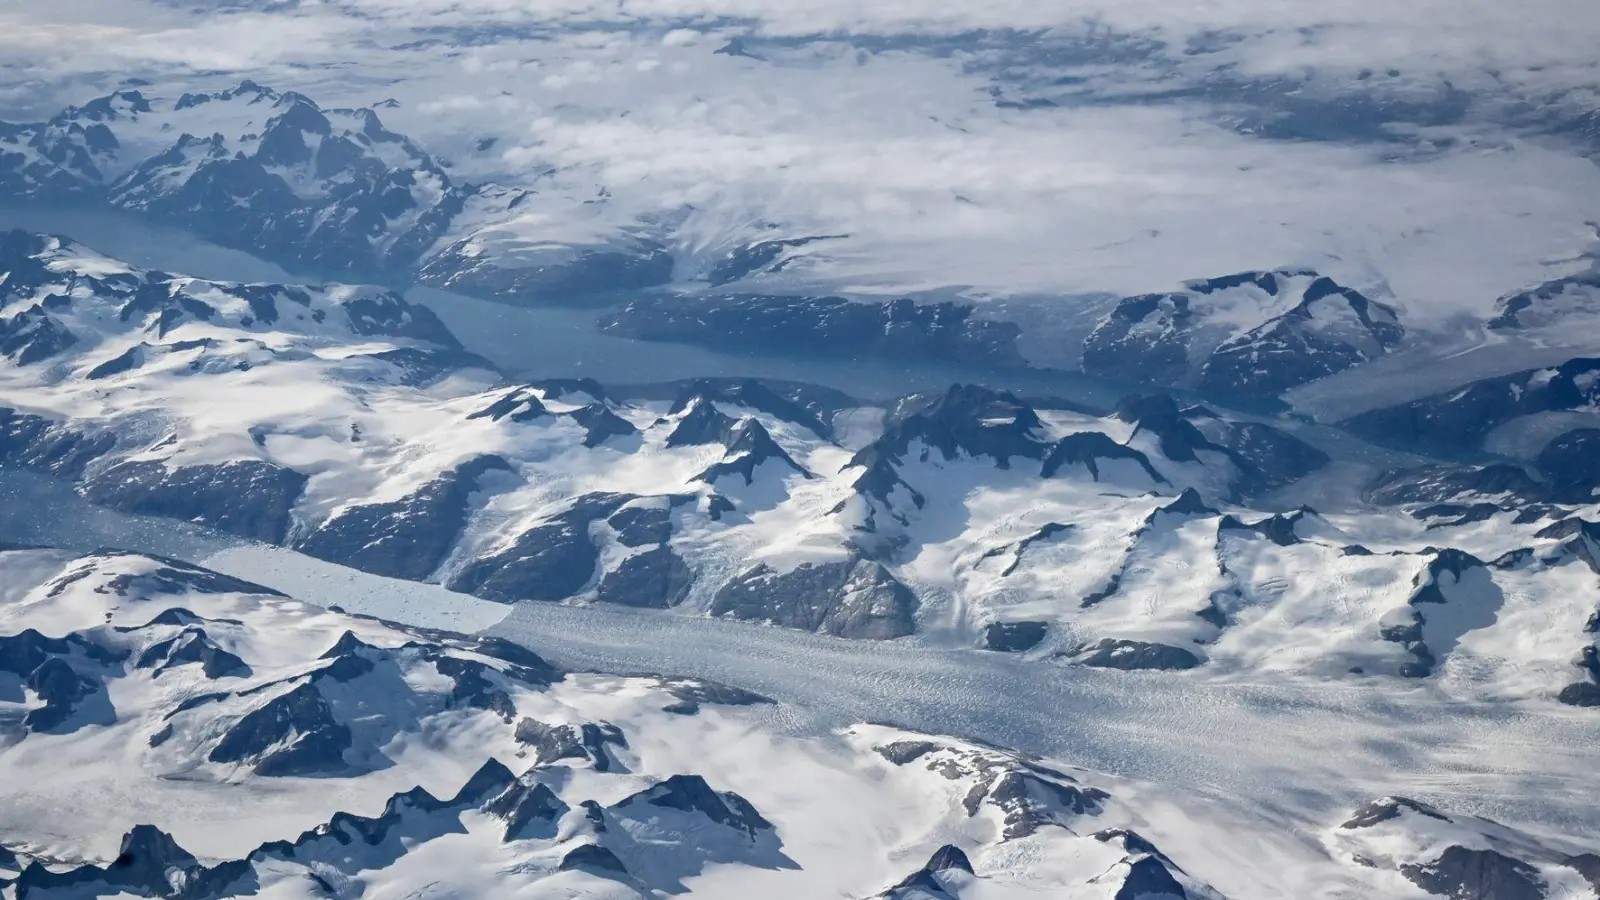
(1251, 333)
(965, 419)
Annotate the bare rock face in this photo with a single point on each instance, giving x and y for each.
(1188, 338)
(855, 598)
(248, 498)
(1477, 875)
(1013, 637)
(1111, 653)
(294, 734)
(657, 578)
(405, 538)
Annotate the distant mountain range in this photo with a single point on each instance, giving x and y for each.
(334, 193)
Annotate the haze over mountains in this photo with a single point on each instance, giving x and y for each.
(990, 452)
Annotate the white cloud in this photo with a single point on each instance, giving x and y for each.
(905, 150)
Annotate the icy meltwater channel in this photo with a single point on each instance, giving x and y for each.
(1300, 753)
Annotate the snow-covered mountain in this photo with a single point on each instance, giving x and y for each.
(1248, 333)
(323, 191)
(169, 731)
(333, 191)
(1252, 333)
(1545, 416)
(346, 423)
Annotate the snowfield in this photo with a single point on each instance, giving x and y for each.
(856, 810)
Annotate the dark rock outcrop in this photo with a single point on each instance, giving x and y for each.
(966, 419)
(1157, 338)
(192, 646)
(1111, 653)
(1580, 693)
(749, 446)
(517, 405)
(930, 880)
(825, 327)
(766, 256)
(657, 579)
(554, 743)
(292, 734)
(61, 688)
(529, 810)
(1028, 800)
(804, 405)
(691, 793)
(1546, 303)
(592, 858)
(248, 498)
(1013, 637)
(41, 445)
(703, 423)
(1387, 809)
(33, 335)
(1091, 449)
(1447, 483)
(1465, 874)
(642, 525)
(406, 538)
(601, 424)
(1458, 420)
(854, 597)
(550, 561)
(1573, 458)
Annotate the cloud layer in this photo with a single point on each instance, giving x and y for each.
(1007, 147)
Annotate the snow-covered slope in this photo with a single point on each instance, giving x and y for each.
(172, 732)
(345, 423)
(333, 190)
(319, 190)
(1250, 333)
(1516, 415)
(324, 190)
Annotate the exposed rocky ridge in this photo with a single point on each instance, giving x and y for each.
(559, 557)
(1462, 487)
(1552, 302)
(150, 863)
(406, 538)
(750, 446)
(1457, 856)
(1458, 420)
(1309, 327)
(853, 597)
(829, 327)
(248, 498)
